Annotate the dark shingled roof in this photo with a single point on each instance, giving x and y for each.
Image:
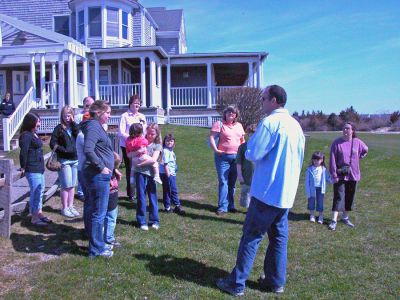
(167, 20)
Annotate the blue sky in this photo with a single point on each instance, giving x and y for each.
(328, 54)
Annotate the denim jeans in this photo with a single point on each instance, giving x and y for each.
(146, 185)
(86, 212)
(170, 190)
(225, 165)
(98, 190)
(109, 225)
(68, 174)
(260, 219)
(36, 186)
(319, 199)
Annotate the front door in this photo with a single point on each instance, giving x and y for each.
(20, 80)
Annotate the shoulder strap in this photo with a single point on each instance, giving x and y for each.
(351, 150)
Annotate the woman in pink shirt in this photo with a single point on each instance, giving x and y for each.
(127, 119)
(225, 139)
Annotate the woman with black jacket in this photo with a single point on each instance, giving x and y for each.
(63, 140)
(32, 165)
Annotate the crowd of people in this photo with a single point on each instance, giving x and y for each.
(267, 167)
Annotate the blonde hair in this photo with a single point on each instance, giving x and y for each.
(66, 110)
(155, 126)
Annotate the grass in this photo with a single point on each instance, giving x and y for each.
(184, 258)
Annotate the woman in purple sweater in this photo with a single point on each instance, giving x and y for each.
(344, 167)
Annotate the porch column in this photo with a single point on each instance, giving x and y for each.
(42, 81)
(61, 82)
(258, 74)
(168, 86)
(250, 81)
(119, 96)
(85, 78)
(53, 87)
(152, 83)
(159, 74)
(262, 73)
(209, 86)
(70, 78)
(96, 78)
(143, 80)
(33, 75)
(75, 83)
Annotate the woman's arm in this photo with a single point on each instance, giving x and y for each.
(122, 128)
(24, 144)
(213, 135)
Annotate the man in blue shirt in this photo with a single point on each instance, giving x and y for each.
(277, 150)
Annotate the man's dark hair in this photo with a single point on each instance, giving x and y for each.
(277, 92)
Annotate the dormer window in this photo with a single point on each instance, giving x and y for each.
(94, 21)
(81, 25)
(61, 24)
(124, 25)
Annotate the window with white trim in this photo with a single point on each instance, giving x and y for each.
(2, 84)
(94, 21)
(112, 22)
(61, 25)
(124, 25)
(81, 25)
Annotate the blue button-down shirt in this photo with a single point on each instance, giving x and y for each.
(277, 149)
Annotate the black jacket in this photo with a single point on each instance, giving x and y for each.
(66, 143)
(31, 154)
(7, 107)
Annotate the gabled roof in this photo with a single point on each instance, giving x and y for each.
(167, 20)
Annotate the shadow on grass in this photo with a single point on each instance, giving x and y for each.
(298, 216)
(210, 218)
(198, 205)
(182, 269)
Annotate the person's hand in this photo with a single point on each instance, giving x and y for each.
(106, 171)
(219, 152)
(118, 174)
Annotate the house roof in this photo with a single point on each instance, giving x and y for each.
(262, 55)
(167, 20)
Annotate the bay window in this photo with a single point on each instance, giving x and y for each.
(94, 21)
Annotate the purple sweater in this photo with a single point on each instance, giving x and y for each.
(340, 155)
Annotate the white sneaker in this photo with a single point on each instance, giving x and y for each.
(67, 213)
(312, 219)
(144, 227)
(155, 226)
(74, 211)
(321, 220)
(157, 179)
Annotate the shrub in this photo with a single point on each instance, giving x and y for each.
(394, 117)
(350, 115)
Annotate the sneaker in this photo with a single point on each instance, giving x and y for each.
(115, 244)
(144, 227)
(269, 289)
(220, 213)
(108, 247)
(321, 220)
(168, 210)
(157, 179)
(224, 286)
(332, 225)
(348, 223)
(312, 219)
(178, 210)
(106, 254)
(74, 211)
(155, 226)
(67, 213)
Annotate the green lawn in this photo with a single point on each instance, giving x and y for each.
(184, 258)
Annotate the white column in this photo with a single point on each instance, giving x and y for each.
(85, 78)
(61, 82)
(53, 88)
(70, 78)
(33, 75)
(209, 86)
(96, 78)
(168, 86)
(143, 80)
(42, 81)
(159, 74)
(251, 75)
(258, 74)
(75, 77)
(152, 83)
(262, 73)
(120, 98)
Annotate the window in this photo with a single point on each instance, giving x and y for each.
(126, 76)
(81, 25)
(94, 21)
(125, 25)
(61, 24)
(2, 83)
(112, 22)
(105, 75)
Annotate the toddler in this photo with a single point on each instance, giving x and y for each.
(136, 149)
(315, 185)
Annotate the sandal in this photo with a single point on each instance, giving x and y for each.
(46, 220)
(39, 223)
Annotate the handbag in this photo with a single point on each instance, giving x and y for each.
(52, 163)
(216, 138)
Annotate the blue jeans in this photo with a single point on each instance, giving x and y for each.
(86, 212)
(98, 190)
(227, 174)
(109, 225)
(260, 219)
(319, 199)
(170, 190)
(36, 186)
(146, 185)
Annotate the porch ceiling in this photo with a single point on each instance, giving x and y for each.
(231, 74)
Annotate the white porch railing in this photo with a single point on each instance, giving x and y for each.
(188, 96)
(218, 91)
(119, 94)
(193, 120)
(12, 123)
(51, 93)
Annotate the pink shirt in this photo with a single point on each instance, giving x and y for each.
(127, 119)
(231, 136)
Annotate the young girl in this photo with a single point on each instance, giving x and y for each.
(136, 149)
(168, 170)
(315, 185)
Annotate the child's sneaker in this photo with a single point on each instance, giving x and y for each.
(144, 227)
(332, 225)
(157, 179)
(67, 213)
(74, 211)
(312, 219)
(321, 220)
(155, 226)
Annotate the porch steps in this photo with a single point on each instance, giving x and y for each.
(14, 144)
